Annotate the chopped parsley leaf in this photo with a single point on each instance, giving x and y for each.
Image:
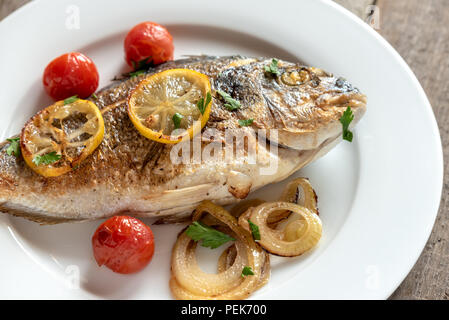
(345, 120)
(14, 147)
(210, 237)
(47, 158)
(231, 104)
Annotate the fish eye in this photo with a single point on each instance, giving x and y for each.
(295, 77)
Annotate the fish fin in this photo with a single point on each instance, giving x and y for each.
(42, 220)
(194, 193)
(176, 219)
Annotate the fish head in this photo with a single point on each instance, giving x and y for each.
(303, 104)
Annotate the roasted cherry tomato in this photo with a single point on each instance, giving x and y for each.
(123, 244)
(148, 42)
(71, 74)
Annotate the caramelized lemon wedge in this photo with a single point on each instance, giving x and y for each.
(58, 138)
(170, 106)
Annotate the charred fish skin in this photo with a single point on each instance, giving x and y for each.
(304, 104)
(129, 173)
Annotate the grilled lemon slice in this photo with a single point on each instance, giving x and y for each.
(170, 106)
(58, 138)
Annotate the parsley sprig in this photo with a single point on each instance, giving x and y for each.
(254, 230)
(143, 64)
(246, 122)
(71, 99)
(47, 158)
(14, 147)
(247, 271)
(273, 67)
(177, 117)
(231, 104)
(201, 104)
(210, 237)
(140, 67)
(345, 120)
(136, 73)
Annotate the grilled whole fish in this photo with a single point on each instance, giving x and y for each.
(130, 174)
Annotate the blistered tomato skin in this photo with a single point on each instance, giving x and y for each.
(71, 74)
(123, 244)
(148, 40)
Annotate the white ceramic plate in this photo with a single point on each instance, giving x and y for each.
(378, 197)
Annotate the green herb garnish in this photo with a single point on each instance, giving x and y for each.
(247, 271)
(202, 105)
(254, 230)
(14, 147)
(94, 96)
(210, 237)
(245, 123)
(140, 67)
(143, 64)
(47, 158)
(273, 67)
(136, 73)
(231, 104)
(345, 120)
(177, 120)
(70, 99)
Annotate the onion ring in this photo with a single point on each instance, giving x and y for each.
(228, 256)
(189, 282)
(297, 236)
(297, 191)
(243, 206)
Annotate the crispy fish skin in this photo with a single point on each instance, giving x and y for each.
(130, 174)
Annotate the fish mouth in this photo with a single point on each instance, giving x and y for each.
(330, 106)
(343, 100)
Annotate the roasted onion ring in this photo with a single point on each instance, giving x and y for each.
(243, 206)
(189, 282)
(228, 256)
(296, 236)
(297, 191)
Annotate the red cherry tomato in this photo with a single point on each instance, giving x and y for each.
(123, 244)
(148, 41)
(70, 74)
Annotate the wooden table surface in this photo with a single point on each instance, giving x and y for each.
(419, 30)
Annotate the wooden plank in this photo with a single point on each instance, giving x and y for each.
(8, 6)
(360, 7)
(419, 30)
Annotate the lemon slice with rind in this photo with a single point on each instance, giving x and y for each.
(57, 139)
(171, 106)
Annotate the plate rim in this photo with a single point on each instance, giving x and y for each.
(404, 66)
(436, 132)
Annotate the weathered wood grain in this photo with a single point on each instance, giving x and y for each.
(360, 7)
(8, 6)
(419, 30)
